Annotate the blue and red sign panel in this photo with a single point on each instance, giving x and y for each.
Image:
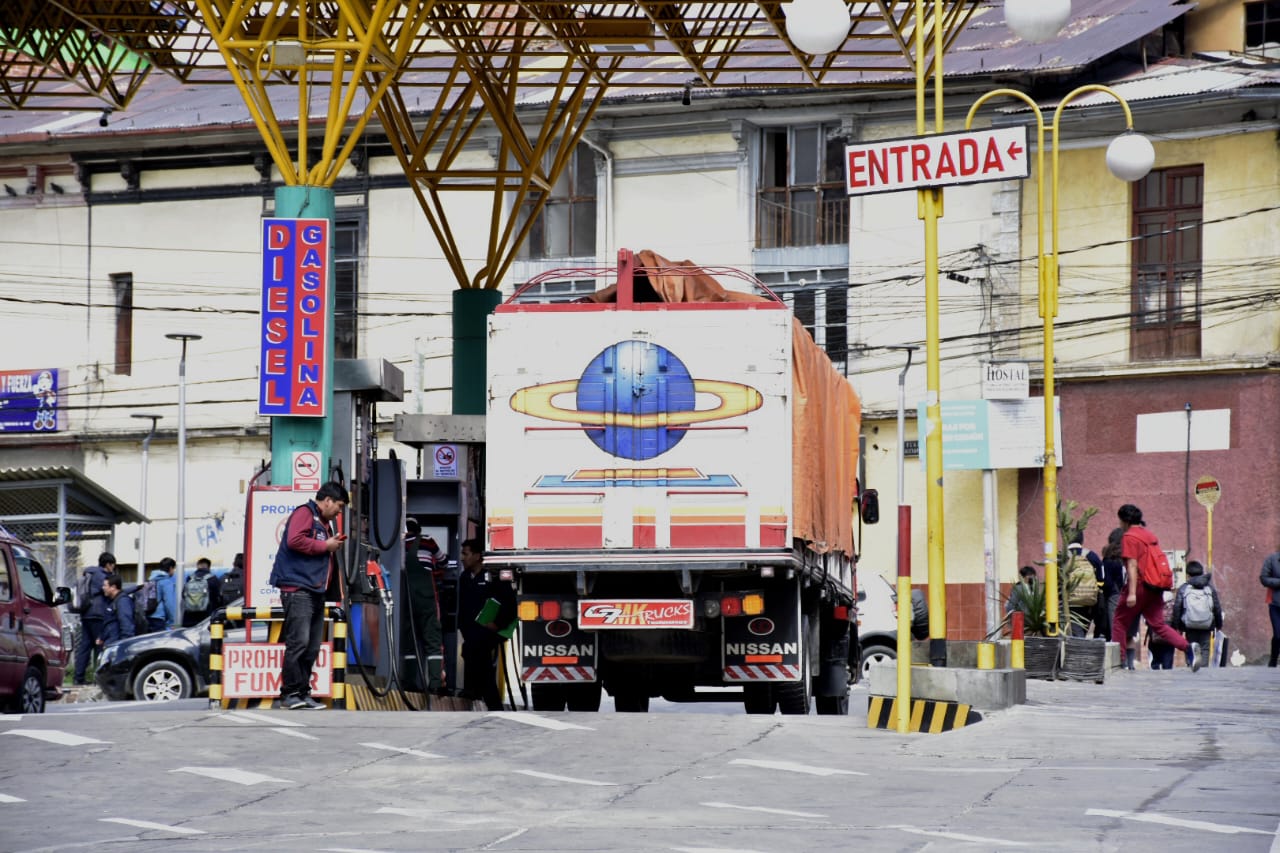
(29, 400)
(293, 379)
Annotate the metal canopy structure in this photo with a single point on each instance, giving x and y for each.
(432, 73)
(58, 510)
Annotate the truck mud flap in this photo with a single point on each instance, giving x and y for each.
(564, 654)
(767, 647)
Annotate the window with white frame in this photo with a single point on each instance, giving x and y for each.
(567, 290)
(820, 301)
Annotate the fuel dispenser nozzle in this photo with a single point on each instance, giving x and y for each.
(378, 577)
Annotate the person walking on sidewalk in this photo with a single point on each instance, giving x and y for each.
(1197, 610)
(1146, 568)
(1270, 578)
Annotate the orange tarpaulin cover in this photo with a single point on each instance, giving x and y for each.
(826, 414)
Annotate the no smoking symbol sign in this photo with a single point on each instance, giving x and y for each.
(306, 471)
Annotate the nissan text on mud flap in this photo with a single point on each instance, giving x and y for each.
(670, 478)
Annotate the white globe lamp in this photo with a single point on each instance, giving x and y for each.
(1036, 20)
(1130, 156)
(817, 27)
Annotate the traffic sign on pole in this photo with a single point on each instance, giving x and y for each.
(943, 159)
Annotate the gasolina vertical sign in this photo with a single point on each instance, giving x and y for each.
(292, 378)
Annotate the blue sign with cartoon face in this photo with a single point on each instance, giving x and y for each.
(29, 400)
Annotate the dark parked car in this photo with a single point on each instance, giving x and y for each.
(34, 651)
(164, 665)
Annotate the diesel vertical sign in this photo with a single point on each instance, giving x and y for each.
(295, 311)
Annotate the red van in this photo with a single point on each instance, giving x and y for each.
(33, 654)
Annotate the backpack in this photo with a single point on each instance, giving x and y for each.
(232, 586)
(1153, 566)
(139, 596)
(1197, 608)
(1153, 569)
(84, 593)
(1084, 592)
(149, 598)
(195, 595)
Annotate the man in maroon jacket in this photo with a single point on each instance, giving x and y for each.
(301, 573)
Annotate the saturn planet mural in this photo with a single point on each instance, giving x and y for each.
(636, 400)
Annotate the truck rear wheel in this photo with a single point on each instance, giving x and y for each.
(759, 699)
(832, 705)
(793, 697)
(548, 697)
(631, 702)
(583, 697)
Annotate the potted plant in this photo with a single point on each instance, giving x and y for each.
(1048, 656)
(1083, 659)
(1040, 651)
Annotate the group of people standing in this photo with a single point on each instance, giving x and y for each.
(1130, 581)
(109, 611)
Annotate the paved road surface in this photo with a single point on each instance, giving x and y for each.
(1150, 761)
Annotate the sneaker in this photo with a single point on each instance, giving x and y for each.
(1196, 657)
(313, 704)
(294, 703)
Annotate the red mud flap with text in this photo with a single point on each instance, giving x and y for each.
(763, 648)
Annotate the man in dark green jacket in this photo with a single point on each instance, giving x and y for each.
(422, 557)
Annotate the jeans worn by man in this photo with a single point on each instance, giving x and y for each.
(303, 630)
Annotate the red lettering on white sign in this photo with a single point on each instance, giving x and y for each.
(944, 159)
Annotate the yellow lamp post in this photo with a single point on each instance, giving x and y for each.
(1129, 157)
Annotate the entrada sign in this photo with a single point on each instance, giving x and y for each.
(944, 159)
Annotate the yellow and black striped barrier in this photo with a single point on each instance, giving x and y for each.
(927, 715)
(217, 633)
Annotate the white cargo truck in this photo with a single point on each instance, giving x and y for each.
(670, 480)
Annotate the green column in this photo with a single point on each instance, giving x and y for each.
(471, 308)
(291, 435)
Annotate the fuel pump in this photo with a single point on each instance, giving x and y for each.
(446, 499)
(371, 561)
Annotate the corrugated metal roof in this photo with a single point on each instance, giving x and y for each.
(986, 46)
(85, 497)
(1174, 78)
(1096, 29)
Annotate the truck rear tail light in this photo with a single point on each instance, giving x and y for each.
(731, 605)
(569, 610)
(840, 613)
(711, 607)
(527, 611)
(766, 571)
(506, 575)
(549, 611)
(753, 604)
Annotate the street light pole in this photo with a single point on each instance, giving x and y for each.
(929, 210)
(905, 610)
(1130, 157)
(142, 498)
(181, 556)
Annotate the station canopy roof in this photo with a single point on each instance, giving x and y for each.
(91, 54)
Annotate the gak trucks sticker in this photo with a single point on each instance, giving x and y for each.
(595, 614)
